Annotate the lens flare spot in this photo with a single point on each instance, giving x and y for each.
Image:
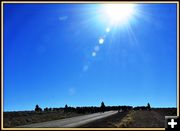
(107, 29)
(101, 41)
(93, 54)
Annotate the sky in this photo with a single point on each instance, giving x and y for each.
(79, 55)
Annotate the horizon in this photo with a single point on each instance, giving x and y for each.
(81, 54)
(81, 106)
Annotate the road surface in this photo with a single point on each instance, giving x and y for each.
(71, 122)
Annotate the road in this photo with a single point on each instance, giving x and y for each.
(71, 122)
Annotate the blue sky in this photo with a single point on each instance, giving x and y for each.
(53, 56)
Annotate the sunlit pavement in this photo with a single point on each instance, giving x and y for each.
(71, 122)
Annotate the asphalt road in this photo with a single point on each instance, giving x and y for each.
(70, 122)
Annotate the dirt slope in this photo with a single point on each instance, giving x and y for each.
(147, 119)
(135, 119)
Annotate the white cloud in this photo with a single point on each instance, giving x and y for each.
(85, 68)
(71, 91)
(63, 18)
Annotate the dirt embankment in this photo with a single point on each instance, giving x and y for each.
(147, 119)
(154, 118)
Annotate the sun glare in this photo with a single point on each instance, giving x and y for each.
(118, 13)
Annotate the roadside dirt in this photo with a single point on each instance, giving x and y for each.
(154, 118)
(147, 119)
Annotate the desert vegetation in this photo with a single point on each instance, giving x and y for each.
(84, 109)
(16, 118)
(138, 118)
(124, 118)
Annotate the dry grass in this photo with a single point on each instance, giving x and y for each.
(127, 120)
(134, 119)
(13, 119)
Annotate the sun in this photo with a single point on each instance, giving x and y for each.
(119, 13)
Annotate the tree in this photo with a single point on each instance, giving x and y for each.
(37, 108)
(66, 108)
(148, 106)
(46, 109)
(102, 107)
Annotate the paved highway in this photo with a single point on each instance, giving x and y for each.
(70, 122)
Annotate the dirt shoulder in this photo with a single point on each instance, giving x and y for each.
(147, 119)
